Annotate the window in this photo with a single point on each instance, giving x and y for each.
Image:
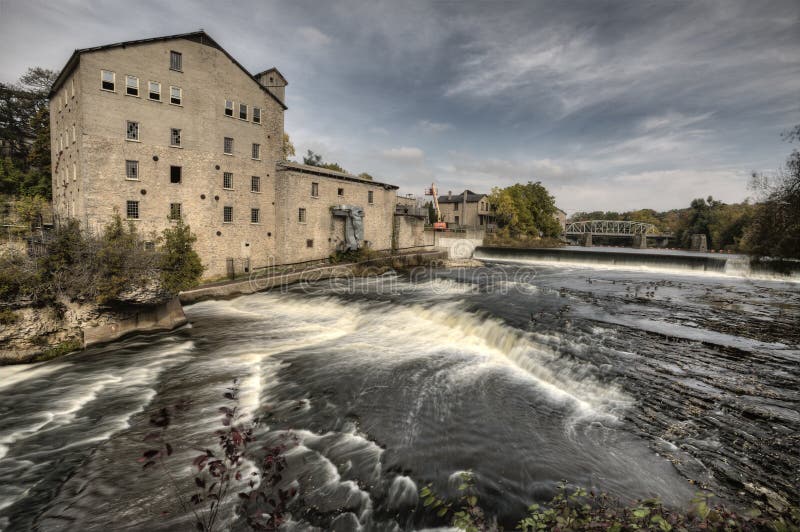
(309, 243)
(175, 95)
(255, 184)
(455, 206)
(227, 214)
(154, 91)
(107, 80)
(227, 146)
(315, 190)
(132, 170)
(227, 180)
(340, 192)
(256, 115)
(228, 108)
(175, 137)
(243, 111)
(176, 61)
(174, 211)
(456, 220)
(133, 130)
(301, 215)
(175, 174)
(131, 85)
(255, 216)
(370, 197)
(256, 151)
(132, 210)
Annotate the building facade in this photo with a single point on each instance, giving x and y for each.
(468, 210)
(174, 127)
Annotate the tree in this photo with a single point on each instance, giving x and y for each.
(180, 264)
(366, 176)
(525, 210)
(288, 147)
(315, 159)
(118, 271)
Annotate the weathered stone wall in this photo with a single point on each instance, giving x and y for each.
(209, 77)
(325, 231)
(410, 233)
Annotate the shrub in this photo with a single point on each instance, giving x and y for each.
(7, 317)
(180, 264)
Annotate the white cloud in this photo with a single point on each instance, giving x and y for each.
(313, 37)
(404, 153)
(434, 127)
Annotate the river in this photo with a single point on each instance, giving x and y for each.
(642, 380)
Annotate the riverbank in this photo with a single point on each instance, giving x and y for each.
(38, 334)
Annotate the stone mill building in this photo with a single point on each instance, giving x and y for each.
(175, 127)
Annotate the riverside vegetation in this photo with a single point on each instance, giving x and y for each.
(72, 277)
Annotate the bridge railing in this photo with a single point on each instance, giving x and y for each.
(610, 227)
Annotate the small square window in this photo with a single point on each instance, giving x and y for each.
(340, 192)
(256, 115)
(132, 210)
(107, 80)
(301, 215)
(309, 243)
(175, 95)
(175, 174)
(132, 85)
(228, 108)
(175, 137)
(227, 146)
(255, 184)
(243, 111)
(132, 170)
(154, 91)
(256, 151)
(227, 214)
(227, 180)
(255, 216)
(176, 61)
(370, 197)
(174, 211)
(132, 130)
(315, 190)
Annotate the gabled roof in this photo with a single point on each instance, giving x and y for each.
(472, 197)
(324, 172)
(197, 36)
(275, 70)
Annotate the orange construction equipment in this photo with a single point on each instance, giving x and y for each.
(439, 223)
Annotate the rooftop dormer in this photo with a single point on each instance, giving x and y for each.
(274, 82)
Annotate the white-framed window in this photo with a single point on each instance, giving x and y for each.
(176, 61)
(107, 80)
(227, 146)
(175, 175)
(228, 107)
(255, 183)
(227, 214)
(131, 85)
(175, 137)
(154, 91)
(132, 210)
(256, 154)
(314, 190)
(301, 215)
(175, 95)
(174, 211)
(243, 111)
(256, 115)
(255, 216)
(370, 196)
(132, 170)
(227, 180)
(132, 130)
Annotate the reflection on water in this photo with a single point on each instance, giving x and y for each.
(640, 383)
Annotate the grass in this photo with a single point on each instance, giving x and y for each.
(58, 350)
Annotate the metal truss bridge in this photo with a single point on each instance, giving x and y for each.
(611, 228)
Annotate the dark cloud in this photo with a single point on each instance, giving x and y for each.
(610, 104)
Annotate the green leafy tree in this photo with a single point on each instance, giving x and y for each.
(315, 159)
(180, 264)
(118, 247)
(525, 210)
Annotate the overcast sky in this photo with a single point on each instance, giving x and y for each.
(611, 105)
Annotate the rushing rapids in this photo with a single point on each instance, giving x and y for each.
(640, 380)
